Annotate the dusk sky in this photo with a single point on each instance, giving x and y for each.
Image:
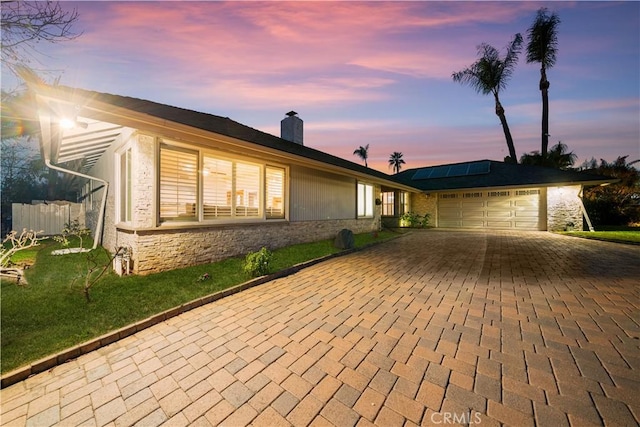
(376, 73)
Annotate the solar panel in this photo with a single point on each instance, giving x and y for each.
(439, 172)
(478, 168)
(460, 169)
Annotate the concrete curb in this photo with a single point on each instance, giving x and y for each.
(66, 355)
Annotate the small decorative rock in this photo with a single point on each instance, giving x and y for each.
(344, 239)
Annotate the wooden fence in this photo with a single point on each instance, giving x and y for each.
(49, 217)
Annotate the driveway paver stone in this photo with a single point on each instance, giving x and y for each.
(437, 327)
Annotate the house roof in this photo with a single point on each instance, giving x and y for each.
(490, 173)
(91, 141)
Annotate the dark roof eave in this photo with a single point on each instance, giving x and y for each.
(217, 125)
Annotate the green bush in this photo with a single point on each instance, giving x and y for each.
(258, 264)
(413, 220)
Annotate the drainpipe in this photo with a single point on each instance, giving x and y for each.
(584, 210)
(103, 204)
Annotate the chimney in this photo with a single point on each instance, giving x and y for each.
(291, 128)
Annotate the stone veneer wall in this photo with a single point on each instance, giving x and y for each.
(425, 203)
(563, 207)
(160, 250)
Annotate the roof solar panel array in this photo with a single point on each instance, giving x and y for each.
(448, 171)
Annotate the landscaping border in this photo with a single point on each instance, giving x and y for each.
(66, 355)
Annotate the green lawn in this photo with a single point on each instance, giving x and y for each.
(51, 314)
(611, 234)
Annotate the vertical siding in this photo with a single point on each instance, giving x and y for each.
(319, 195)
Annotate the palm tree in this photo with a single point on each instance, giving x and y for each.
(489, 75)
(363, 153)
(542, 48)
(557, 157)
(395, 161)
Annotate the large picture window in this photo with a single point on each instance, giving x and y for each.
(202, 186)
(365, 200)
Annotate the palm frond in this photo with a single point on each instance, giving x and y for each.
(543, 39)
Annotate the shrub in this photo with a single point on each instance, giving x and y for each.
(258, 264)
(413, 220)
(72, 228)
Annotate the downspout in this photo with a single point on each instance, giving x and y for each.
(103, 204)
(584, 210)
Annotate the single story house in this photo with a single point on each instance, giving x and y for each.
(495, 195)
(178, 187)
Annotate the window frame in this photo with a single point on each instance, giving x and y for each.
(234, 218)
(403, 203)
(368, 202)
(388, 203)
(124, 173)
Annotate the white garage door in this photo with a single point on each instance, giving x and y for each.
(494, 209)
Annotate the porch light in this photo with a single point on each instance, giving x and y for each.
(68, 124)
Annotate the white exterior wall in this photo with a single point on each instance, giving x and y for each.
(321, 204)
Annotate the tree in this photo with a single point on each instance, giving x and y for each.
(617, 203)
(23, 175)
(363, 153)
(558, 157)
(27, 23)
(542, 48)
(489, 75)
(396, 161)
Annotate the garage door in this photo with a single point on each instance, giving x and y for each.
(495, 209)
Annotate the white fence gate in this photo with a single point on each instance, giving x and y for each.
(50, 218)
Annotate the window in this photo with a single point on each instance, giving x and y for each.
(247, 190)
(472, 195)
(365, 200)
(404, 203)
(498, 193)
(388, 203)
(274, 192)
(217, 185)
(449, 196)
(125, 186)
(198, 186)
(527, 192)
(178, 184)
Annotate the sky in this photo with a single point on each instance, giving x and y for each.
(376, 73)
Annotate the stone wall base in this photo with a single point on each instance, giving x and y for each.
(159, 250)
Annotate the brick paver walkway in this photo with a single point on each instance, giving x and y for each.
(434, 328)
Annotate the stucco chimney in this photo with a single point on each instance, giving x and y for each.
(291, 128)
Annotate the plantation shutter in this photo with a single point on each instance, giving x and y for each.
(274, 192)
(247, 190)
(217, 177)
(178, 184)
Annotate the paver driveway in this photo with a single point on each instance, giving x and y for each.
(432, 328)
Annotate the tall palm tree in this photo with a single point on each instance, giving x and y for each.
(396, 161)
(542, 48)
(363, 153)
(489, 75)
